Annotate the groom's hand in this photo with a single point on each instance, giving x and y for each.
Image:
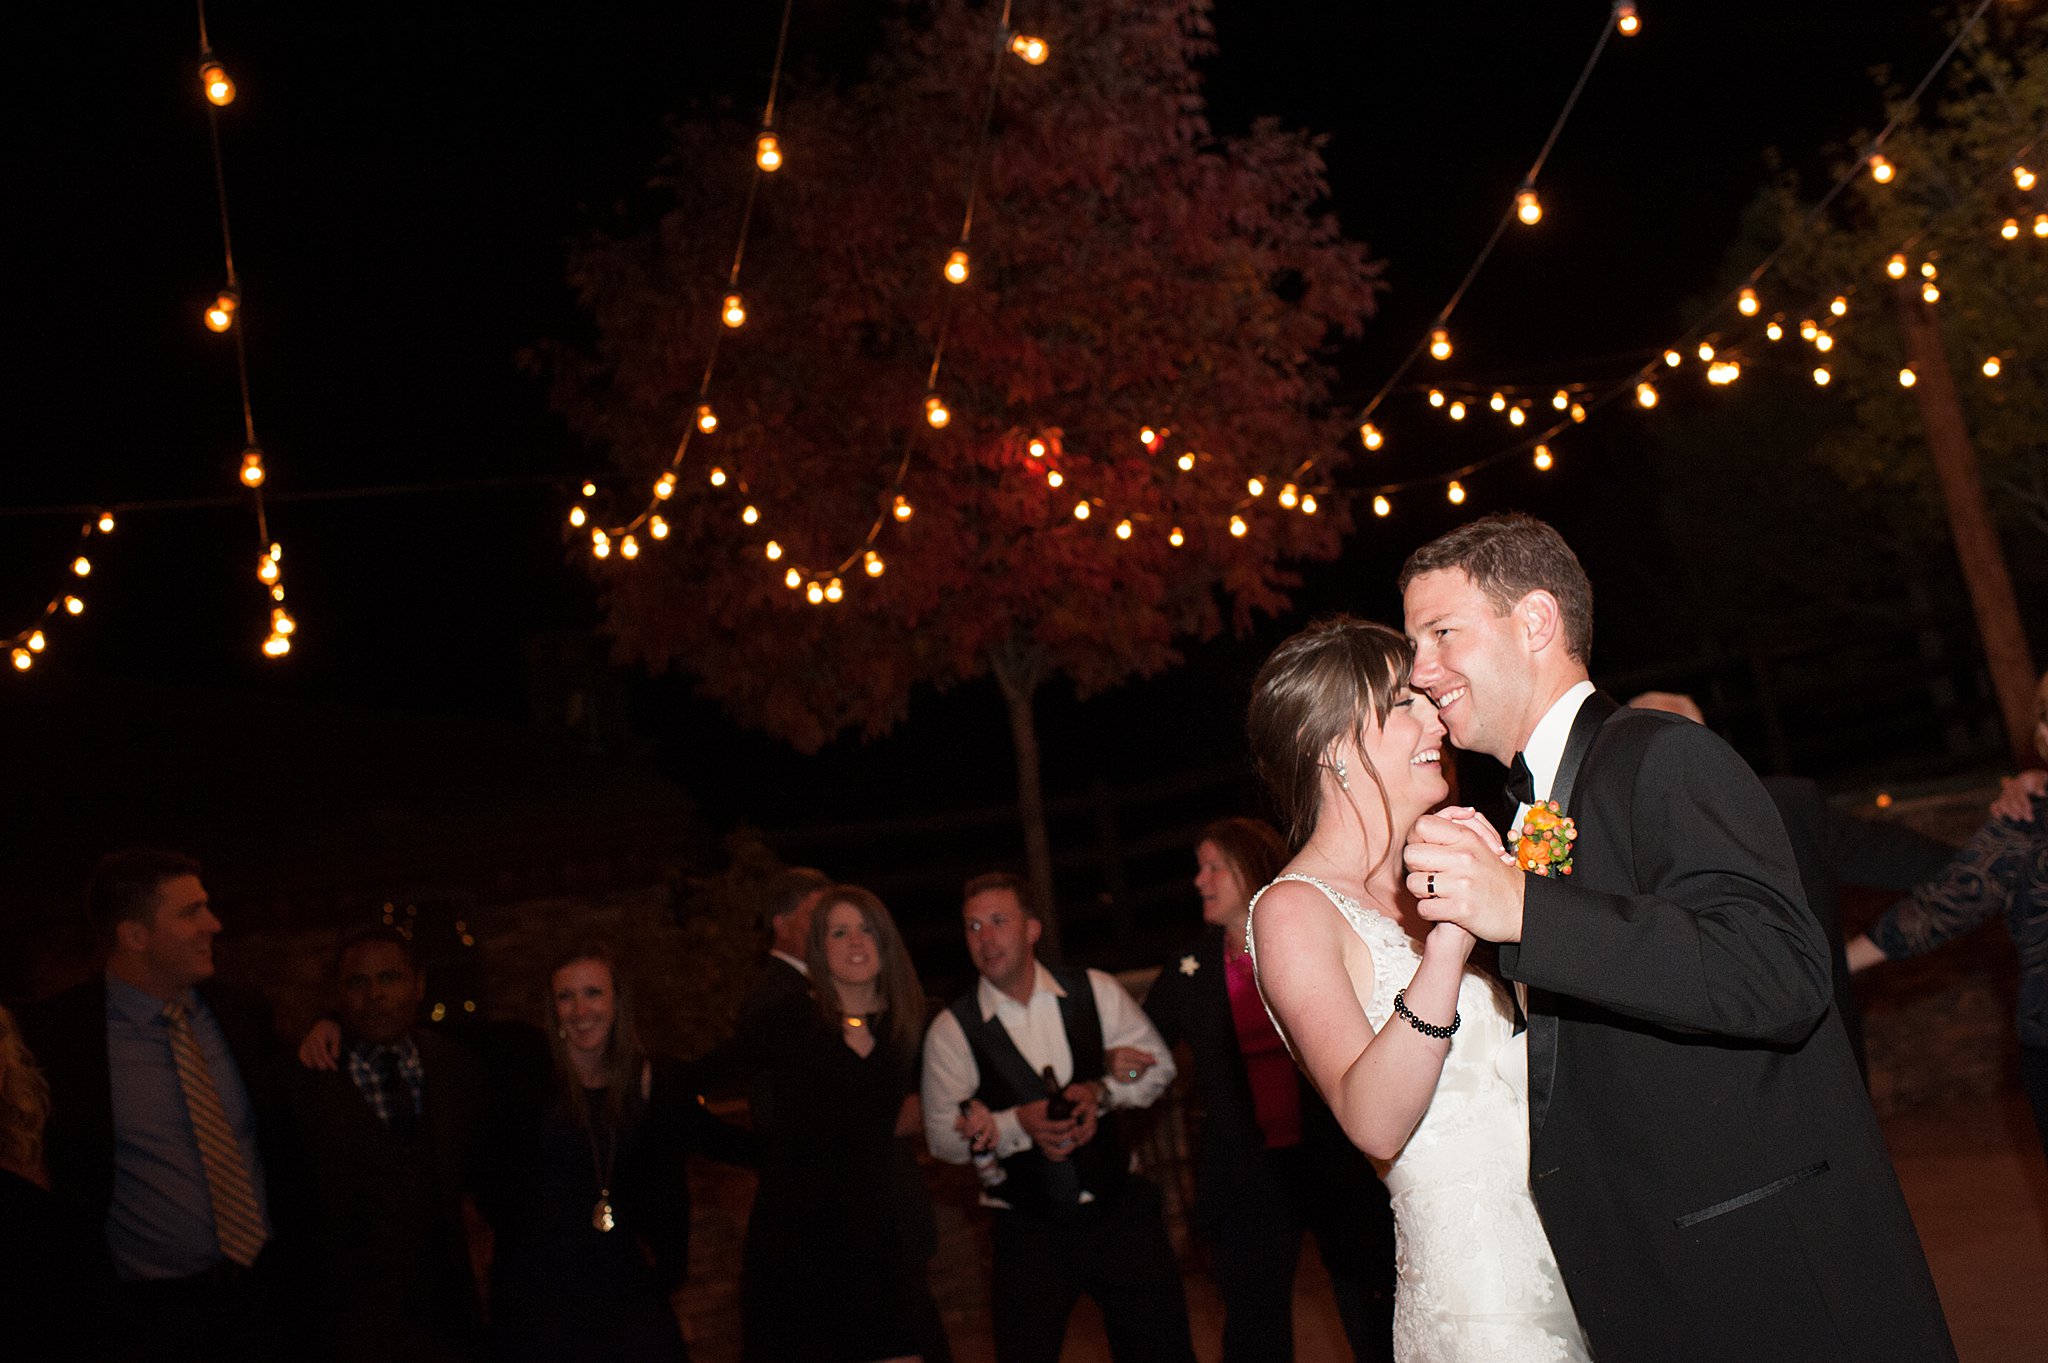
(1457, 876)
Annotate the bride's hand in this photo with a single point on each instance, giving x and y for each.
(1476, 821)
(1449, 939)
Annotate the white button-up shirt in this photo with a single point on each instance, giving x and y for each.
(1545, 748)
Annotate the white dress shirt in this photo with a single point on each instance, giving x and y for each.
(1545, 748)
(951, 1076)
(796, 963)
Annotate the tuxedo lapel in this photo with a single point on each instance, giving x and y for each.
(1593, 713)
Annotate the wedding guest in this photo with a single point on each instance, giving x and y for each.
(31, 1279)
(1272, 1163)
(842, 1227)
(1833, 849)
(586, 1192)
(791, 900)
(2001, 871)
(390, 1139)
(1070, 1216)
(170, 1144)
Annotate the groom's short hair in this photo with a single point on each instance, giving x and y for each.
(1509, 556)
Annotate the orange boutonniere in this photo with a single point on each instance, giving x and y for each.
(1543, 844)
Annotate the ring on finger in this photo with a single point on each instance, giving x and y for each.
(1429, 886)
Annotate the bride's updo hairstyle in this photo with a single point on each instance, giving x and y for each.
(1320, 685)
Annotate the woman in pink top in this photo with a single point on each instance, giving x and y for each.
(1272, 1162)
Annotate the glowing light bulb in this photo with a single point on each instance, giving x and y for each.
(1123, 530)
(1881, 169)
(1673, 358)
(1808, 329)
(1823, 342)
(1237, 527)
(82, 566)
(1308, 504)
(1747, 303)
(1578, 411)
(2023, 177)
(902, 510)
(1081, 511)
(935, 412)
(2041, 224)
(1255, 487)
(1381, 506)
(1646, 394)
(276, 646)
(717, 477)
(665, 486)
(1186, 462)
(1840, 307)
(629, 547)
(1034, 51)
(734, 311)
(1457, 411)
(1439, 344)
(1907, 378)
(1991, 367)
(1626, 21)
(792, 579)
(1456, 492)
(1369, 435)
(1706, 352)
(707, 420)
(1176, 539)
(1516, 416)
(1896, 266)
(872, 561)
(1543, 460)
(768, 152)
(749, 515)
(1528, 208)
(105, 524)
(23, 659)
(577, 516)
(600, 544)
(657, 527)
(1560, 399)
(815, 593)
(252, 467)
(1036, 449)
(73, 606)
(1927, 270)
(834, 591)
(590, 489)
(1053, 478)
(956, 267)
(2010, 229)
(213, 78)
(1289, 497)
(281, 621)
(220, 315)
(1723, 372)
(1436, 397)
(1821, 375)
(1930, 292)
(36, 642)
(773, 551)
(1775, 332)
(1498, 402)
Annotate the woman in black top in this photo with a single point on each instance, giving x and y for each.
(588, 1196)
(842, 1225)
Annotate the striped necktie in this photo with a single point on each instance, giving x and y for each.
(237, 1221)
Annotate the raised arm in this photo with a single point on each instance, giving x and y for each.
(1315, 974)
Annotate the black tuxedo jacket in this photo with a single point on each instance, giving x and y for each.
(1195, 1007)
(68, 1035)
(394, 1267)
(1704, 1157)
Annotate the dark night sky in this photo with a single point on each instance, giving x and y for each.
(403, 178)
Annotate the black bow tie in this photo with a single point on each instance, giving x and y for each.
(1521, 787)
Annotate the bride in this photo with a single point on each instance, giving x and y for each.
(1413, 1048)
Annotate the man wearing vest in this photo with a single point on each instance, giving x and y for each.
(1070, 1217)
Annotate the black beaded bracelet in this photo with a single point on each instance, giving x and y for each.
(1428, 1029)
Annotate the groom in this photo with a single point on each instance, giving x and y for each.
(1702, 1153)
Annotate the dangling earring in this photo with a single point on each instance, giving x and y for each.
(1343, 774)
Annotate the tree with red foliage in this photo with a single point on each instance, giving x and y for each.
(1130, 270)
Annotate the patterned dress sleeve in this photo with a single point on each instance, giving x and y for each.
(1977, 885)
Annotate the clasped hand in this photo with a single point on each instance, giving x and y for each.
(1459, 873)
(1059, 1140)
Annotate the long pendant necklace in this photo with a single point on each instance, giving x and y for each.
(601, 1215)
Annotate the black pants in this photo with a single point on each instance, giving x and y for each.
(1117, 1253)
(2034, 1079)
(225, 1315)
(1256, 1240)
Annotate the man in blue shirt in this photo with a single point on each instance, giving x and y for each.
(169, 1133)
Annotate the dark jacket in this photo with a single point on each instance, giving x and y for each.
(1704, 1157)
(395, 1272)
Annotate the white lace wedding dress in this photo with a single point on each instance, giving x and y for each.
(1477, 1280)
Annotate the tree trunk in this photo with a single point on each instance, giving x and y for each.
(1019, 670)
(1969, 518)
